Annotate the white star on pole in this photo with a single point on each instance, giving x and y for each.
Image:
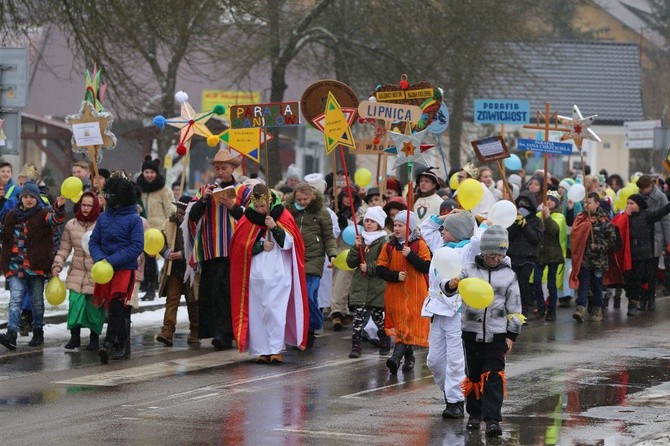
(579, 127)
(407, 148)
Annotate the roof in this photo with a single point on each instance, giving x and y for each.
(600, 78)
(636, 15)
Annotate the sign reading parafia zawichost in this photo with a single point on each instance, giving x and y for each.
(501, 111)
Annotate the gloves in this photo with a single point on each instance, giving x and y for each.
(520, 220)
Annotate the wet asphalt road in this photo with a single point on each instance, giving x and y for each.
(568, 384)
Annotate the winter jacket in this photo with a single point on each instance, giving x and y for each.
(316, 228)
(482, 325)
(525, 235)
(656, 200)
(158, 204)
(367, 289)
(591, 252)
(642, 231)
(118, 237)
(79, 277)
(554, 238)
(427, 206)
(173, 234)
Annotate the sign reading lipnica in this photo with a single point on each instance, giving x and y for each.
(386, 111)
(274, 114)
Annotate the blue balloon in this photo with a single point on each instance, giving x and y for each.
(513, 162)
(349, 234)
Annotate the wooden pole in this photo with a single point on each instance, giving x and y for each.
(335, 182)
(351, 200)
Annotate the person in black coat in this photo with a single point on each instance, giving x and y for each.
(525, 236)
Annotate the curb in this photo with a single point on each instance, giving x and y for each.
(60, 318)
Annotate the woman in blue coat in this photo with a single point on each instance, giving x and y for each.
(118, 238)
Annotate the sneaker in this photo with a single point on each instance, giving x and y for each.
(337, 324)
(493, 429)
(8, 340)
(473, 423)
(551, 315)
(453, 411)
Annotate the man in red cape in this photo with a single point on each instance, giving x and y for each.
(268, 290)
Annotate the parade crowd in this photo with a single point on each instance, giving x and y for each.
(264, 269)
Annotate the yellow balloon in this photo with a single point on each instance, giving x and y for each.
(453, 181)
(476, 293)
(625, 192)
(55, 291)
(610, 193)
(470, 193)
(363, 177)
(633, 186)
(153, 241)
(102, 272)
(71, 187)
(341, 261)
(619, 205)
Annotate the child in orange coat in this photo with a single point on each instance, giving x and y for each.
(405, 267)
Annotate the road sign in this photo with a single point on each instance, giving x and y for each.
(558, 148)
(640, 134)
(639, 143)
(13, 78)
(642, 125)
(501, 111)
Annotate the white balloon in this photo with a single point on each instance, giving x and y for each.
(447, 262)
(84, 242)
(576, 193)
(503, 213)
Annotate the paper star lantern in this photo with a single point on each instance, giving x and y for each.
(336, 128)
(85, 137)
(408, 148)
(579, 127)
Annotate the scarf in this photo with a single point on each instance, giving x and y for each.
(370, 237)
(155, 185)
(95, 210)
(21, 214)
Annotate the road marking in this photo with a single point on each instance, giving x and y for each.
(322, 433)
(376, 389)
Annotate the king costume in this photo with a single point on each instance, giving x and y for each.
(269, 296)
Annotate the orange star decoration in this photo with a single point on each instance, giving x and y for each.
(579, 127)
(90, 131)
(411, 152)
(408, 148)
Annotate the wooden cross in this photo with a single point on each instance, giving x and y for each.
(547, 117)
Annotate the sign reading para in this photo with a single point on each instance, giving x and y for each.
(535, 145)
(501, 111)
(275, 114)
(386, 111)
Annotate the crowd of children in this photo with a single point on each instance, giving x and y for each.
(279, 244)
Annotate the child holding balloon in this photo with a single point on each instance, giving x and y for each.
(118, 239)
(26, 257)
(81, 311)
(450, 239)
(490, 324)
(366, 293)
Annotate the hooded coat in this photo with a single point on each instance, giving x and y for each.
(525, 235)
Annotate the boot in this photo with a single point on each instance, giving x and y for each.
(151, 292)
(193, 337)
(642, 305)
(106, 350)
(409, 359)
(38, 337)
(632, 307)
(393, 363)
(564, 302)
(453, 411)
(9, 339)
(384, 343)
(124, 341)
(356, 349)
(25, 324)
(579, 313)
(93, 342)
(597, 315)
(617, 301)
(337, 323)
(651, 303)
(493, 429)
(165, 336)
(551, 314)
(75, 339)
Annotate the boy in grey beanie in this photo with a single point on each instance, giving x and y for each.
(489, 332)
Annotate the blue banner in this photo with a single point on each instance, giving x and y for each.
(501, 111)
(557, 148)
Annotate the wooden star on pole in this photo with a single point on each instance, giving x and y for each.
(190, 123)
(579, 127)
(87, 115)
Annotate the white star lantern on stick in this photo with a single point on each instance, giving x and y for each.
(579, 127)
(408, 148)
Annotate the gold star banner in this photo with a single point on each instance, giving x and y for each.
(336, 128)
(90, 131)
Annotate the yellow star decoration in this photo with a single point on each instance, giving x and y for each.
(190, 123)
(408, 148)
(87, 114)
(579, 127)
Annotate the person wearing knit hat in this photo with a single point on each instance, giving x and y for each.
(32, 248)
(447, 206)
(516, 180)
(317, 181)
(551, 256)
(489, 333)
(366, 292)
(639, 201)
(403, 263)
(373, 197)
(445, 350)
(158, 201)
(392, 207)
(393, 188)
(293, 175)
